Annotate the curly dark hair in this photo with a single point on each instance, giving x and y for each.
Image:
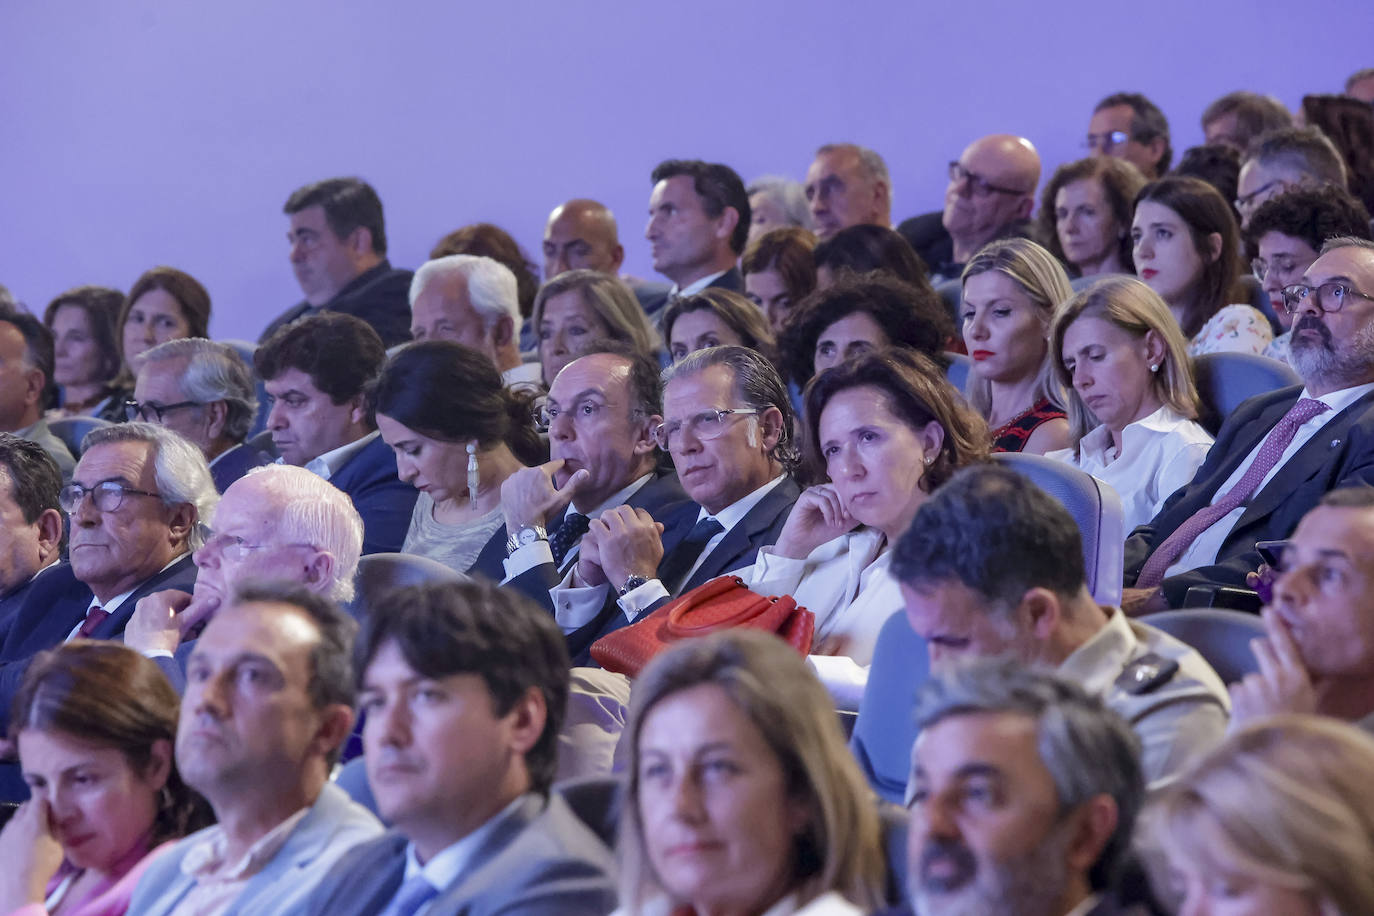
(1311, 214)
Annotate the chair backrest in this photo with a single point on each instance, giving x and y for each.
(1257, 297)
(596, 802)
(1095, 506)
(262, 442)
(952, 294)
(246, 349)
(352, 778)
(71, 430)
(1224, 380)
(1220, 636)
(381, 573)
(885, 729)
(958, 370)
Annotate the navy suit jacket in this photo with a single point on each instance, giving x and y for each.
(56, 604)
(380, 296)
(11, 603)
(653, 303)
(1341, 454)
(760, 527)
(236, 462)
(383, 500)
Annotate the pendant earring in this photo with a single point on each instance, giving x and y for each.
(473, 479)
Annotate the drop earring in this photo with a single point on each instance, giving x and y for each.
(473, 479)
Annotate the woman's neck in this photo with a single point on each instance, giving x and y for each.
(1106, 263)
(892, 532)
(1149, 405)
(493, 467)
(1011, 399)
(83, 396)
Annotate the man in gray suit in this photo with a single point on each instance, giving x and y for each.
(463, 686)
(268, 704)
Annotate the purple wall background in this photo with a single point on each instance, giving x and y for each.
(140, 133)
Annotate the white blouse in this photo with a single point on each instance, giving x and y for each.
(1159, 454)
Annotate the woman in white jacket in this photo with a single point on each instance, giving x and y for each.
(886, 428)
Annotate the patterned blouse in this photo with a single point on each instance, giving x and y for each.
(1012, 436)
(1235, 328)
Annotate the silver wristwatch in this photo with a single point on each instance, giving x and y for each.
(525, 534)
(632, 583)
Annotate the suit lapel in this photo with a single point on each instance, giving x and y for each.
(113, 625)
(740, 540)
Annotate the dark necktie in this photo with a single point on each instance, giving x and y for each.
(94, 618)
(1279, 438)
(566, 535)
(672, 572)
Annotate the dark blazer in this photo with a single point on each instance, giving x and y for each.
(11, 603)
(236, 462)
(380, 296)
(760, 527)
(56, 604)
(1341, 454)
(662, 497)
(541, 859)
(654, 301)
(383, 500)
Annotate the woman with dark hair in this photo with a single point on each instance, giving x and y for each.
(1085, 215)
(86, 354)
(779, 272)
(164, 304)
(1187, 250)
(95, 725)
(458, 432)
(1349, 124)
(884, 429)
(716, 317)
(864, 248)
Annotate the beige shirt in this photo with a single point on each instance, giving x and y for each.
(218, 881)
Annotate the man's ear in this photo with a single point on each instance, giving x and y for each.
(35, 380)
(359, 242)
(1156, 148)
(1041, 611)
(182, 521)
(645, 443)
(618, 257)
(502, 332)
(1025, 207)
(49, 534)
(319, 572)
(216, 415)
(527, 719)
(726, 223)
(1093, 824)
(770, 427)
(357, 409)
(336, 724)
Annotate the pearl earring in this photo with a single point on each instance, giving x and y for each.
(473, 479)
(1154, 368)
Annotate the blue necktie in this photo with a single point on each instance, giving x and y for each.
(672, 572)
(412, 897)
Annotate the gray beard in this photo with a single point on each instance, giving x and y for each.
(1319, 361)
(1031, 886)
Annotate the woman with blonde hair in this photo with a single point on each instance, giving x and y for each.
(742, 796)
(581, 307)
(1133, 404)
(1010, 290)
(1277, 819)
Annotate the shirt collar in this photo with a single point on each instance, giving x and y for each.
(696, 286)
(328, 464)
(734, 513)
(109, 607)
(447, 865)
(204, 862)
(1340, 400)
(618, 498)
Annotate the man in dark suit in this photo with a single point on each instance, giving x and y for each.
(136, 501)
(316, 371)
(26, 371)
(30, 521)
(698, 227)
(727, 422)
(1278, 453)
(338, 253)
(581, 234)
(463, 773)
(601, 413)
(204, 391)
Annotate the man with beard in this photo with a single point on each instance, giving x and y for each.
(1023, 794)
(1278, 453)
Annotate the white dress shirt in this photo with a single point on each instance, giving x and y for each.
(695, 286)
(328, 464)
(446, 867)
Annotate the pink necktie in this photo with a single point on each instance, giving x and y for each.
(1167, 553)
(94, 618)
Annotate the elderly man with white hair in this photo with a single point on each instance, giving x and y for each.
(472, 300)
(279, 523)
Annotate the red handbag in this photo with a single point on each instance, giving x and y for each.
(721, 604)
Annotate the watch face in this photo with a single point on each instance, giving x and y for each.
(527, 536)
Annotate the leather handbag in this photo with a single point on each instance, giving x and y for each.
(723, 603)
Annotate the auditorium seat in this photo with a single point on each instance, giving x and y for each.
(1095, 506)
(1221, 636)
(380, 573)
(352, 778)
(262, 442)
(1224, 380)
(952, 294)
(958, 370)
(71, 430)
(885, 729)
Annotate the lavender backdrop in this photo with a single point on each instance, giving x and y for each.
(139, 132)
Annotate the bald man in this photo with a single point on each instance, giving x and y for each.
(581, 233)
(991, 187)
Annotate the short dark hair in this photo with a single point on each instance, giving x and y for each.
(1254, 113)
(789, 251)
(1204, 211)
(1215, 163)
(995, 532)
(1147, 123)
(342, 354)
(757, 385)
(331, 661)
(1349, 498)
(477, 628)
(38, 348)
(645, 395)
(863, 248)
(1306, 149)
(1121, 181)
(718, 186)
(1310, 214)
(487, 240)
(35, 480)
(347, 203)
(102, 306)
(914, 316)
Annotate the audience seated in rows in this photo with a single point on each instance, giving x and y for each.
(863, 248)
(85, 350)
(1085, 215)
(1279, 453)
(779, 272)
(1284, 235)
(776, 203)
(317, 371)
(975, 580)
(1187, 250)
(1278, 819)
(95, 725)
(1010, 289)
(715, 318)
(1024, 792)
(1237, 118)
(31, 523)
(847, 185)
(203, 391)
(1132, 403)
(698, 227)
(581, 235)
(580, 309)
(741, 797)
(26, 370)
(458, 433)
(268, 703)
(485, 240)
(337, 238)
(1349, 125)
(1127, 125)
(1281, 160)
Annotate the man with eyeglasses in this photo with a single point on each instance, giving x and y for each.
(1284, 236)
(277, 523)
(601, 412)
(1278, 453)
(1282, 160)
(990, 195)
(1129, 126)
(204, 391)
(727, 423)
